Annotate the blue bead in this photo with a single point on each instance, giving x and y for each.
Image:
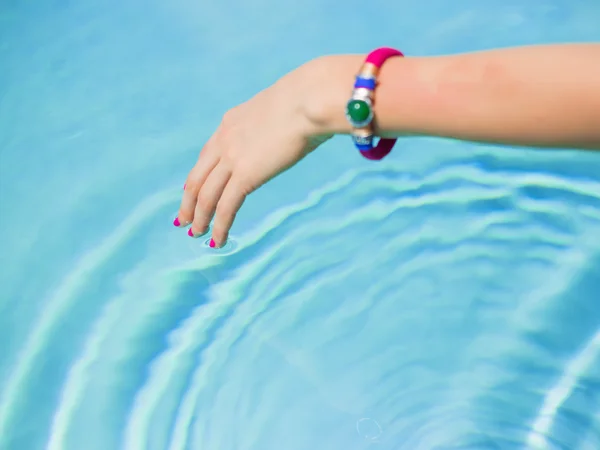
(364, 147)
(368, 83)
(363, 141)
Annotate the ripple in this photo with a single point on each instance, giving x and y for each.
(561, 391)
(329, 323)
(58, 305)
(368, 428)
(276, 280)
(229, 247)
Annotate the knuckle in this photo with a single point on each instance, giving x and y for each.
(223, 141)
(225, 212)
(204, 201)
(229, 119)
(228, 130)
(191, 186)
(193, 182)
(244, 181)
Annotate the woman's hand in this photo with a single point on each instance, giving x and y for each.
(518, 96)
(256, 141)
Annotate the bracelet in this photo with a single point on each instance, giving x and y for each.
(359, 109)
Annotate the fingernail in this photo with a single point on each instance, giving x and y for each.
(184, 186)
(176, 222)
(212, 244)
(194, 235)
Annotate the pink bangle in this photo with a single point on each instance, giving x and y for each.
(359, 109)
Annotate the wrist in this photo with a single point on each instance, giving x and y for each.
(329, 86)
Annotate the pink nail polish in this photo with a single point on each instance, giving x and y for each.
(190, 233)
(184, 186)
(176, 222)
(212, 244)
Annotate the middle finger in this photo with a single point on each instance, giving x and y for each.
(208, 197)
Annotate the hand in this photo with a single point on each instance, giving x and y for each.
(256, 141)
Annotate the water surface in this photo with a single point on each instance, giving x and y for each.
(446, 298)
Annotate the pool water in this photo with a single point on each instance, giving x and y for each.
(446, 298)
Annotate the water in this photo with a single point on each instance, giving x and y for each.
(444, 299)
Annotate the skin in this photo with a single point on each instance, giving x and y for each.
(542, 96)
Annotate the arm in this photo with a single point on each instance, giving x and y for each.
(533, 96)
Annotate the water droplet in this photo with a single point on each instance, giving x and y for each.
(368, 428)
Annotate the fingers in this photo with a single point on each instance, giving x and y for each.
(206, 163)
(231, 201)
(210, 190)
(222, 197)
(208, 197)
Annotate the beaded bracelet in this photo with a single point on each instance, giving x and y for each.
(359, 109)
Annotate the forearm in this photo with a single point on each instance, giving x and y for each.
(534, 96)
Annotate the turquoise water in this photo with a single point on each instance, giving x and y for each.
(445, 299)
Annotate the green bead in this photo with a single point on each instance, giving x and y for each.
(358, 111)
